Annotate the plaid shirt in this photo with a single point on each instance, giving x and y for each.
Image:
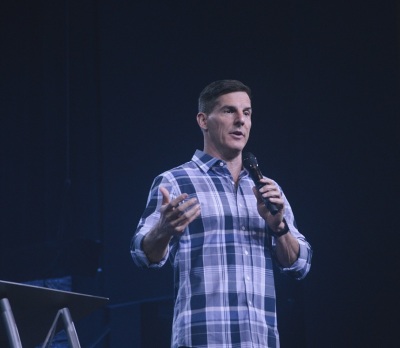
(225, 292)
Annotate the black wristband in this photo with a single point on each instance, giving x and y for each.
(281, 233)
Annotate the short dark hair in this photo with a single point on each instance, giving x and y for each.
(209, 95)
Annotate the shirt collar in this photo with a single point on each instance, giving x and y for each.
(204, 161)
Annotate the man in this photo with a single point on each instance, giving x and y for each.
(209, 219)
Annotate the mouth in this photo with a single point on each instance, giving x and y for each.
(237, 133)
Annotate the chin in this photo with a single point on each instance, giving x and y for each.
(239, 147)
(235, 151)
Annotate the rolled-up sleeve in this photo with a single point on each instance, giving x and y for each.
(138, 255)
(302, 265)
(300, 268)
(148, 220)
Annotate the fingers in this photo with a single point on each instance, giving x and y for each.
(166, 199)
(165, 195)
(270, 191)
(186, 215)
(258, 195)
(178, 213)
(185, 209)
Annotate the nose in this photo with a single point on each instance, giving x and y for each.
(239, 120)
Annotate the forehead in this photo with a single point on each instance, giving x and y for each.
(240, 100)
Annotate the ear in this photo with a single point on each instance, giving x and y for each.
(202, 120)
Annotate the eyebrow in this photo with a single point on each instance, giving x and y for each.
(231, 107)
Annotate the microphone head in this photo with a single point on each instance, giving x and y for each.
(249, 160)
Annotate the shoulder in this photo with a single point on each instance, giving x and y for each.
(184, 169)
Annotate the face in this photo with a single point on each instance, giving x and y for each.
(227, 127)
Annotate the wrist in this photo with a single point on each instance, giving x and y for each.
(281, 230)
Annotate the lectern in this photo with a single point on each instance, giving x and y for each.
(30, 314)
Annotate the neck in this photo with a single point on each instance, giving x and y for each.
(233, 161)
(235, 167)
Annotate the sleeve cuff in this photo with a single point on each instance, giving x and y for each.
(140, 258)
(301, 266)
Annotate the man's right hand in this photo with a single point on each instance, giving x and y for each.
(177, 214)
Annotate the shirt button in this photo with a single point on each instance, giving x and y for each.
(247, 278)
(221, 164)
(250, 303)
(243, 228)
(246, 252)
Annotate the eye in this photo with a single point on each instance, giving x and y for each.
(247, 113)
(229, 110)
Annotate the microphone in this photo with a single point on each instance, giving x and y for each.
(250, 163)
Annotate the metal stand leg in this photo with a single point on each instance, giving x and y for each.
(68, 326)
(11, 326)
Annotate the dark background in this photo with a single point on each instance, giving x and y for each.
(98, 97)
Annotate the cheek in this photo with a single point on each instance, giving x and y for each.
(216, 132)
(220, 129)
(249, 128)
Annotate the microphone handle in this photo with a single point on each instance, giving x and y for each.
(270, 206)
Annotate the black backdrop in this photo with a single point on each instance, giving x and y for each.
(98, 97)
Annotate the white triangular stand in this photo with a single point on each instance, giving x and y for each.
(33, 308)
(9, 321)
(69, 329)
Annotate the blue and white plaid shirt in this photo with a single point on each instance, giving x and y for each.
(223, 261)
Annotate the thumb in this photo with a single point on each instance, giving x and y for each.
(258, 195)
(165, 195)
